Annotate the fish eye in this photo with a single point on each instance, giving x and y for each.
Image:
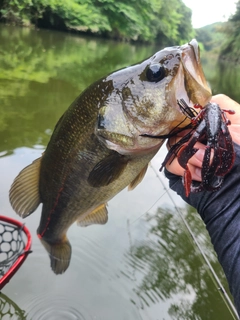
(155, 72)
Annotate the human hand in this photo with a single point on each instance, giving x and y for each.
(195, 163)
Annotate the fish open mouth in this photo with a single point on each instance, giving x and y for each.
(190, 82)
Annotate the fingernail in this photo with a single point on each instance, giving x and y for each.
(200, 154)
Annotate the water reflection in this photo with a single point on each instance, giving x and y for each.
(168, 264)
(42, 72)
(10, 310)
(228, 79)
(48, 307)
(223, 76)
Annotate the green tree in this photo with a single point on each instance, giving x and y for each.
(143, 20)
(15, 11)
(174, 22)
(231, 48)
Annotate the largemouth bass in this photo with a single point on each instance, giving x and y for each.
(98, 148)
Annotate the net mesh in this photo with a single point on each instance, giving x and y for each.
(9, 309)
(12, 244)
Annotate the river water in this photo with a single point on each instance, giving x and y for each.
(143, 264)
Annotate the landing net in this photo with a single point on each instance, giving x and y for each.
(15, 244)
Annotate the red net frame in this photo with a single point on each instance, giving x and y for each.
(17, 240)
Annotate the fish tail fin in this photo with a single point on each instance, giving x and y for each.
(59, 254)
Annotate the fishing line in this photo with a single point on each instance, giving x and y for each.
(212, 273)
(130, 223)
(148, 209)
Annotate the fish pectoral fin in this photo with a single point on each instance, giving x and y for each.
(107, 170)
(24, 192)
(138, 178)
(98, 216)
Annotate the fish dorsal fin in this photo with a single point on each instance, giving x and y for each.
(24, 193)
(98, 216)
(107, 170)
(138, 178)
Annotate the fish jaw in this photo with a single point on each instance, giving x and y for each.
(149, 108)
(190, 83)
(139, 145)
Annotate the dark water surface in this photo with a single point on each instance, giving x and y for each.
(143, 264)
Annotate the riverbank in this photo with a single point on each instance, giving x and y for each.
(144, 21)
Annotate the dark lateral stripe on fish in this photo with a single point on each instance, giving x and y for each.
(40, 235)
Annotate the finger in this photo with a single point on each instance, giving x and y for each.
(227, 103)
(176, 169)
(197, 159)
(194, 163)
(235, 132)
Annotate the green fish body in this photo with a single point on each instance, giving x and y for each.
(97, 147)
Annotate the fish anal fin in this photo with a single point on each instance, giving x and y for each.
(138, 178)
(98, 216)
(107, 170)
(24, 192)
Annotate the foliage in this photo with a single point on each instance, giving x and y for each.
(231, 48)
(211, 36)
(174, 22)
(142, 20)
